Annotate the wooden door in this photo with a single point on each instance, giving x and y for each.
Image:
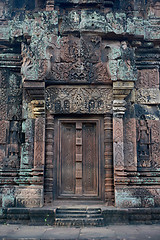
(79, 158)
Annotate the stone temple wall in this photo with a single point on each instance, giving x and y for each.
(109, 50)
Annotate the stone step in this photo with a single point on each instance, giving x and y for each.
(75, 211)
(79, 222)
(77, 215)
(79, 209)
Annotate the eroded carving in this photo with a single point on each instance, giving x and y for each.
(147, 96)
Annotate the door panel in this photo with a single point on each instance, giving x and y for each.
(90, 157)
(79, 158)
(67, 158)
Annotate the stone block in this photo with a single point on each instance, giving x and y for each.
(42, 217)
(29, 197)
(125, 198)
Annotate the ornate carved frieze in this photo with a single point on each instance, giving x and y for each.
(79, 99)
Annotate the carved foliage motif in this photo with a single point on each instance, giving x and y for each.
(148, 136)
(118, 143)
(39, 142)
(118, 155)
(118, 130)
(78, 99)
(148, 78)
(130, 142)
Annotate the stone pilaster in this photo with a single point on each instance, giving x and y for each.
(39, 136)
(120, 90)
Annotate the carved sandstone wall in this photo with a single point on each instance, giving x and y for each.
(80, 57)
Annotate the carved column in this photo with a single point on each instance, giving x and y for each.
(50, 175)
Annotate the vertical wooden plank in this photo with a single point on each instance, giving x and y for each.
(67, 151)
(90, 159)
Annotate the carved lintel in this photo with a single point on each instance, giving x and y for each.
(75, 99)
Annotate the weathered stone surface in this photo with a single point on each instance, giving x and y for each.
(72, 59)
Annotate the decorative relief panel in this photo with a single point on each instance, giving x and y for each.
(148, 136)
(74, 99)
(118, 145)
(77, 59)
(148, 78)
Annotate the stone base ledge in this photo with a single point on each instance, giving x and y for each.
(111, 215)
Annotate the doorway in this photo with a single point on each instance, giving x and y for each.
(79, 157)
